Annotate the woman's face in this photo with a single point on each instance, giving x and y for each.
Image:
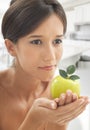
(39, 52)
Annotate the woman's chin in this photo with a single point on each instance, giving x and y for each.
(47, 78)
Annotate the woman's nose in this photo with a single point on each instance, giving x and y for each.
(49, 53)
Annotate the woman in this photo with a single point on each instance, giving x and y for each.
(33, 31)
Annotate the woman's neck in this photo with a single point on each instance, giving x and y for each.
(24, 85)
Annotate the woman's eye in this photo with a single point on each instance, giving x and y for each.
(37, 42)
(57, 41)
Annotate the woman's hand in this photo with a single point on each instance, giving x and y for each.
(66, 98)
(37, 115)
(59, 111)
(64, 114)
(66, 108)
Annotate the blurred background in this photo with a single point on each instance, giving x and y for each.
(76, 49)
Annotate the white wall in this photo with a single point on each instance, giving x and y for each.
(80, 14)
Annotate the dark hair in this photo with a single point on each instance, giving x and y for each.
(24, 16)
(12, 1)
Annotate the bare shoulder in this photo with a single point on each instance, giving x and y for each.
(6, 77)
(4, 82)
(3, 73)
(3, 77)
(5, 94)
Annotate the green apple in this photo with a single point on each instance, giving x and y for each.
(61, 83)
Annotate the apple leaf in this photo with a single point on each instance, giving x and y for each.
(74, 77)
(68, 73)
(71, 69)
(63, 73)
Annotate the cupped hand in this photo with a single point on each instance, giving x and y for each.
(66, 98)
(45, 110)
(65, 113)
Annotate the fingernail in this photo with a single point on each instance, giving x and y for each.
(63, 96)
(57, 100)
(69, 91)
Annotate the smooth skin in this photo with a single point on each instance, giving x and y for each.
(25, 100)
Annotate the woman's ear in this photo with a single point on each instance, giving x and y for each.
(10, 47)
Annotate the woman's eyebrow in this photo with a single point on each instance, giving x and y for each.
(59, 35)
(33, 36)
(37, 36)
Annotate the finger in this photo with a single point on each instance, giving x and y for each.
(71, 117)
(75, 113)
(62, 99)
(69, 97)
(74, 97)
(85, 98)
(71, 106)
(78, 111)
(70, 111)
(81, 107)
(44, 102)
(56, 100)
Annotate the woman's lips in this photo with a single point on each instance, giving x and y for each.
(48, 68)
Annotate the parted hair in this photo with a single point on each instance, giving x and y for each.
(24, 16)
